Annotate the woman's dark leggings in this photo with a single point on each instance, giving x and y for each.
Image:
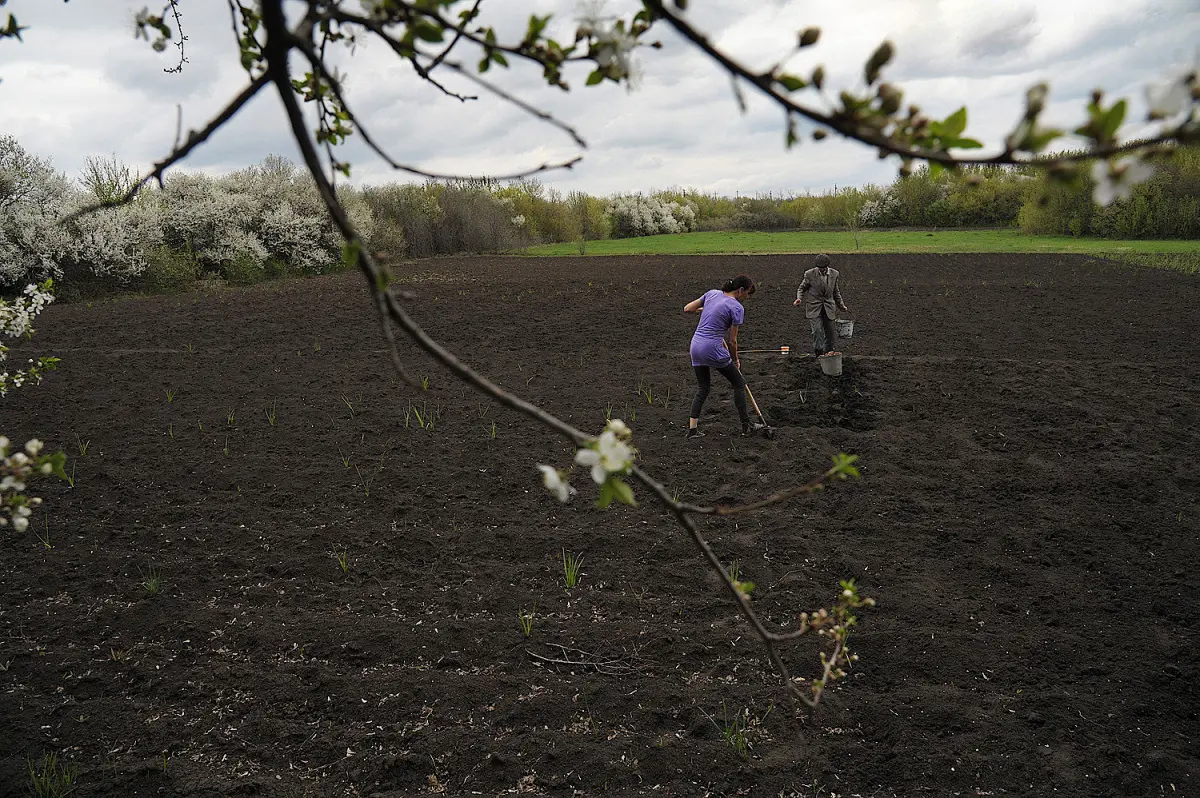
(735, 378)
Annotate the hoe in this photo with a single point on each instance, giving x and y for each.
(768, 431)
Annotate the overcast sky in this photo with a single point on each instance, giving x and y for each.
(80, 85)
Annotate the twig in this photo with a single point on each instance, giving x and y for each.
(194, 139)
(850, 128)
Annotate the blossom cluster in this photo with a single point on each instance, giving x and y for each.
(639, 215)
(611, 46)
(16, 470)
(16, 319)
(268, 211)
(608, 457)
(879, 212)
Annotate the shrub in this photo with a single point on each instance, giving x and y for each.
(168, 271)
(639, 215)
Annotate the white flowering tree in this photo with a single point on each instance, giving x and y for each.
(638, 215)
(288, 54)
(19, 468)
(33, 200)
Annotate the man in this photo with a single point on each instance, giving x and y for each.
(824, 297)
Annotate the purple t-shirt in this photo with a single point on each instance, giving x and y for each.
(719, 314)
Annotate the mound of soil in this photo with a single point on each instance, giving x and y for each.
(282, 572)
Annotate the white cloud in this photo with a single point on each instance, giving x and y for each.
(80, 85)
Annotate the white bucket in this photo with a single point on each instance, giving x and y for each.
(845, 328)
(831, 363)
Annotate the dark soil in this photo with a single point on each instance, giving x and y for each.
(1027, 520)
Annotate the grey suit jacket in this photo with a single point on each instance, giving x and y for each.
(820, 293)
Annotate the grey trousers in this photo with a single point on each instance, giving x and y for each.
(824, 334)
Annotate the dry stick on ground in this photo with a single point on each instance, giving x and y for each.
(279, 43)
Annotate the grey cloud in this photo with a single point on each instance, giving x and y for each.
(1010, 38)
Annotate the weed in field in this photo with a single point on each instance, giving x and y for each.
(49, 778)
(170, 395)
(345, 460)
(152, 581)
(43, 538)
(230, 418)
(738, 729)
(571, 565)
(666, 400)
(343, 559)
(482, 409)
(118, 654)
(493, 431)
(608, 412)
(271, 412)
(364, 482)
(316, 346)
(200, 424)
(225, 449)
(525, 619)
(71, 476)
(735, 576)
(189, 348)
(82, 445)
(425, 383)
(171, 431)
(348, 404)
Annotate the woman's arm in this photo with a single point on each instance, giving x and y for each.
(733, 328)
(695, 306)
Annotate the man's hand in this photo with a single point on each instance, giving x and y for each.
(798, 303)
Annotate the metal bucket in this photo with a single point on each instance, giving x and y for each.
(831, 363)
(845, 328)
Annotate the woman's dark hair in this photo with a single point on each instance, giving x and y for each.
(741, 281)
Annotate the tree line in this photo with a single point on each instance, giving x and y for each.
(268, 220)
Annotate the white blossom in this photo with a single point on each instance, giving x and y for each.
(613, 51)
(552, 478)
(610, 455)
(639, 215)
(1172, 95)
(619, 428)
(1115, 180)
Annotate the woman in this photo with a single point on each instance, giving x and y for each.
(720, 314)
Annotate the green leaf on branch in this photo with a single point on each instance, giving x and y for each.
(56, 462)
(953, 125)
(429, 32)
(595, 77)
(606, 495)
(1113, 119)
(536, 26)
(622, 491)
(961, 144)
(791, 82)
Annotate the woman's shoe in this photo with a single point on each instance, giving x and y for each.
(694, 432)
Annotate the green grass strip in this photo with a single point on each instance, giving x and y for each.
(873, 241)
